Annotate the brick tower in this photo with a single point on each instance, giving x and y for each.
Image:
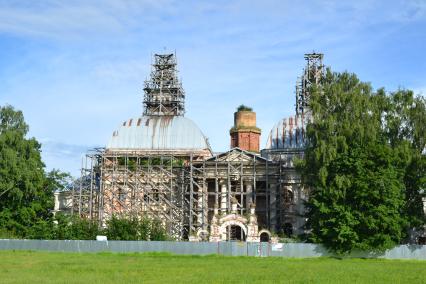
(245, 134)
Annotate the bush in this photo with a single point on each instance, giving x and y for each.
(7, 234)
(42, 230)
(157, 231)
(119, 228)
(244, 108)
(133, 228)
(66, 227)
(78, 229)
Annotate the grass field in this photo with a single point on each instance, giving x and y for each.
(49, 267)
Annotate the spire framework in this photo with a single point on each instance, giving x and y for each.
(164, 94)
(312, 75)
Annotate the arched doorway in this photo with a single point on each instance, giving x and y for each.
(264, 237)
(235, 233)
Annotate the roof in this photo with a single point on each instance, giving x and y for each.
(237, 154)
(288, 133)
(158, 133)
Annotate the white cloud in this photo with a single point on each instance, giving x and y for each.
(76, 19)
(96, 19)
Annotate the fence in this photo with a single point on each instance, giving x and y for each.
(296, 250)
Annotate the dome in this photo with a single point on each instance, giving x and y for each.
(288, 133)
(158, 133)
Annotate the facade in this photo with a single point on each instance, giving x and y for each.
(160, 165)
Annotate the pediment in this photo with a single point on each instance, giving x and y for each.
(237, 155)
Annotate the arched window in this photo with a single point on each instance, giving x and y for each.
(288, 196)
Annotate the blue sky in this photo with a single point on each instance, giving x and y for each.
(76, 68)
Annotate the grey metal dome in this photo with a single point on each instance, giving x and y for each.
(158, 133)
(288, 133)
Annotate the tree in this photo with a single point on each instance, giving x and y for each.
(26, 190)
(24, 197)
(356, 164)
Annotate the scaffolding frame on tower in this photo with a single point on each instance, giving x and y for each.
(312, 75)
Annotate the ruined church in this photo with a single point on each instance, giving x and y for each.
(160, 165)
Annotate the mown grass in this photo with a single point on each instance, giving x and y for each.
(54, 267)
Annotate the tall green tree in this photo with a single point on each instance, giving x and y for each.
(25, 194)
(357, 163)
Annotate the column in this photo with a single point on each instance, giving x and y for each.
(223, 198)
(273, 207)
(200, 207)
(249, 193)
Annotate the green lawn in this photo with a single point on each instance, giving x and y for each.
(48, 267)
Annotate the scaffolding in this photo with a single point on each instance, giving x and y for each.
(132, 184)
(85, 192)
(182, 192)
(164, 94)
(312, 74)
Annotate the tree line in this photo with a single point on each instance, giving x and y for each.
(67, 227)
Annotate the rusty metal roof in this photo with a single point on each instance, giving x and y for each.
(158, 133)
(287, 133)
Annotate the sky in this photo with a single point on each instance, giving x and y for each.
(76, 68)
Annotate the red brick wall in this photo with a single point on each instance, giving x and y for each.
(248, 141)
